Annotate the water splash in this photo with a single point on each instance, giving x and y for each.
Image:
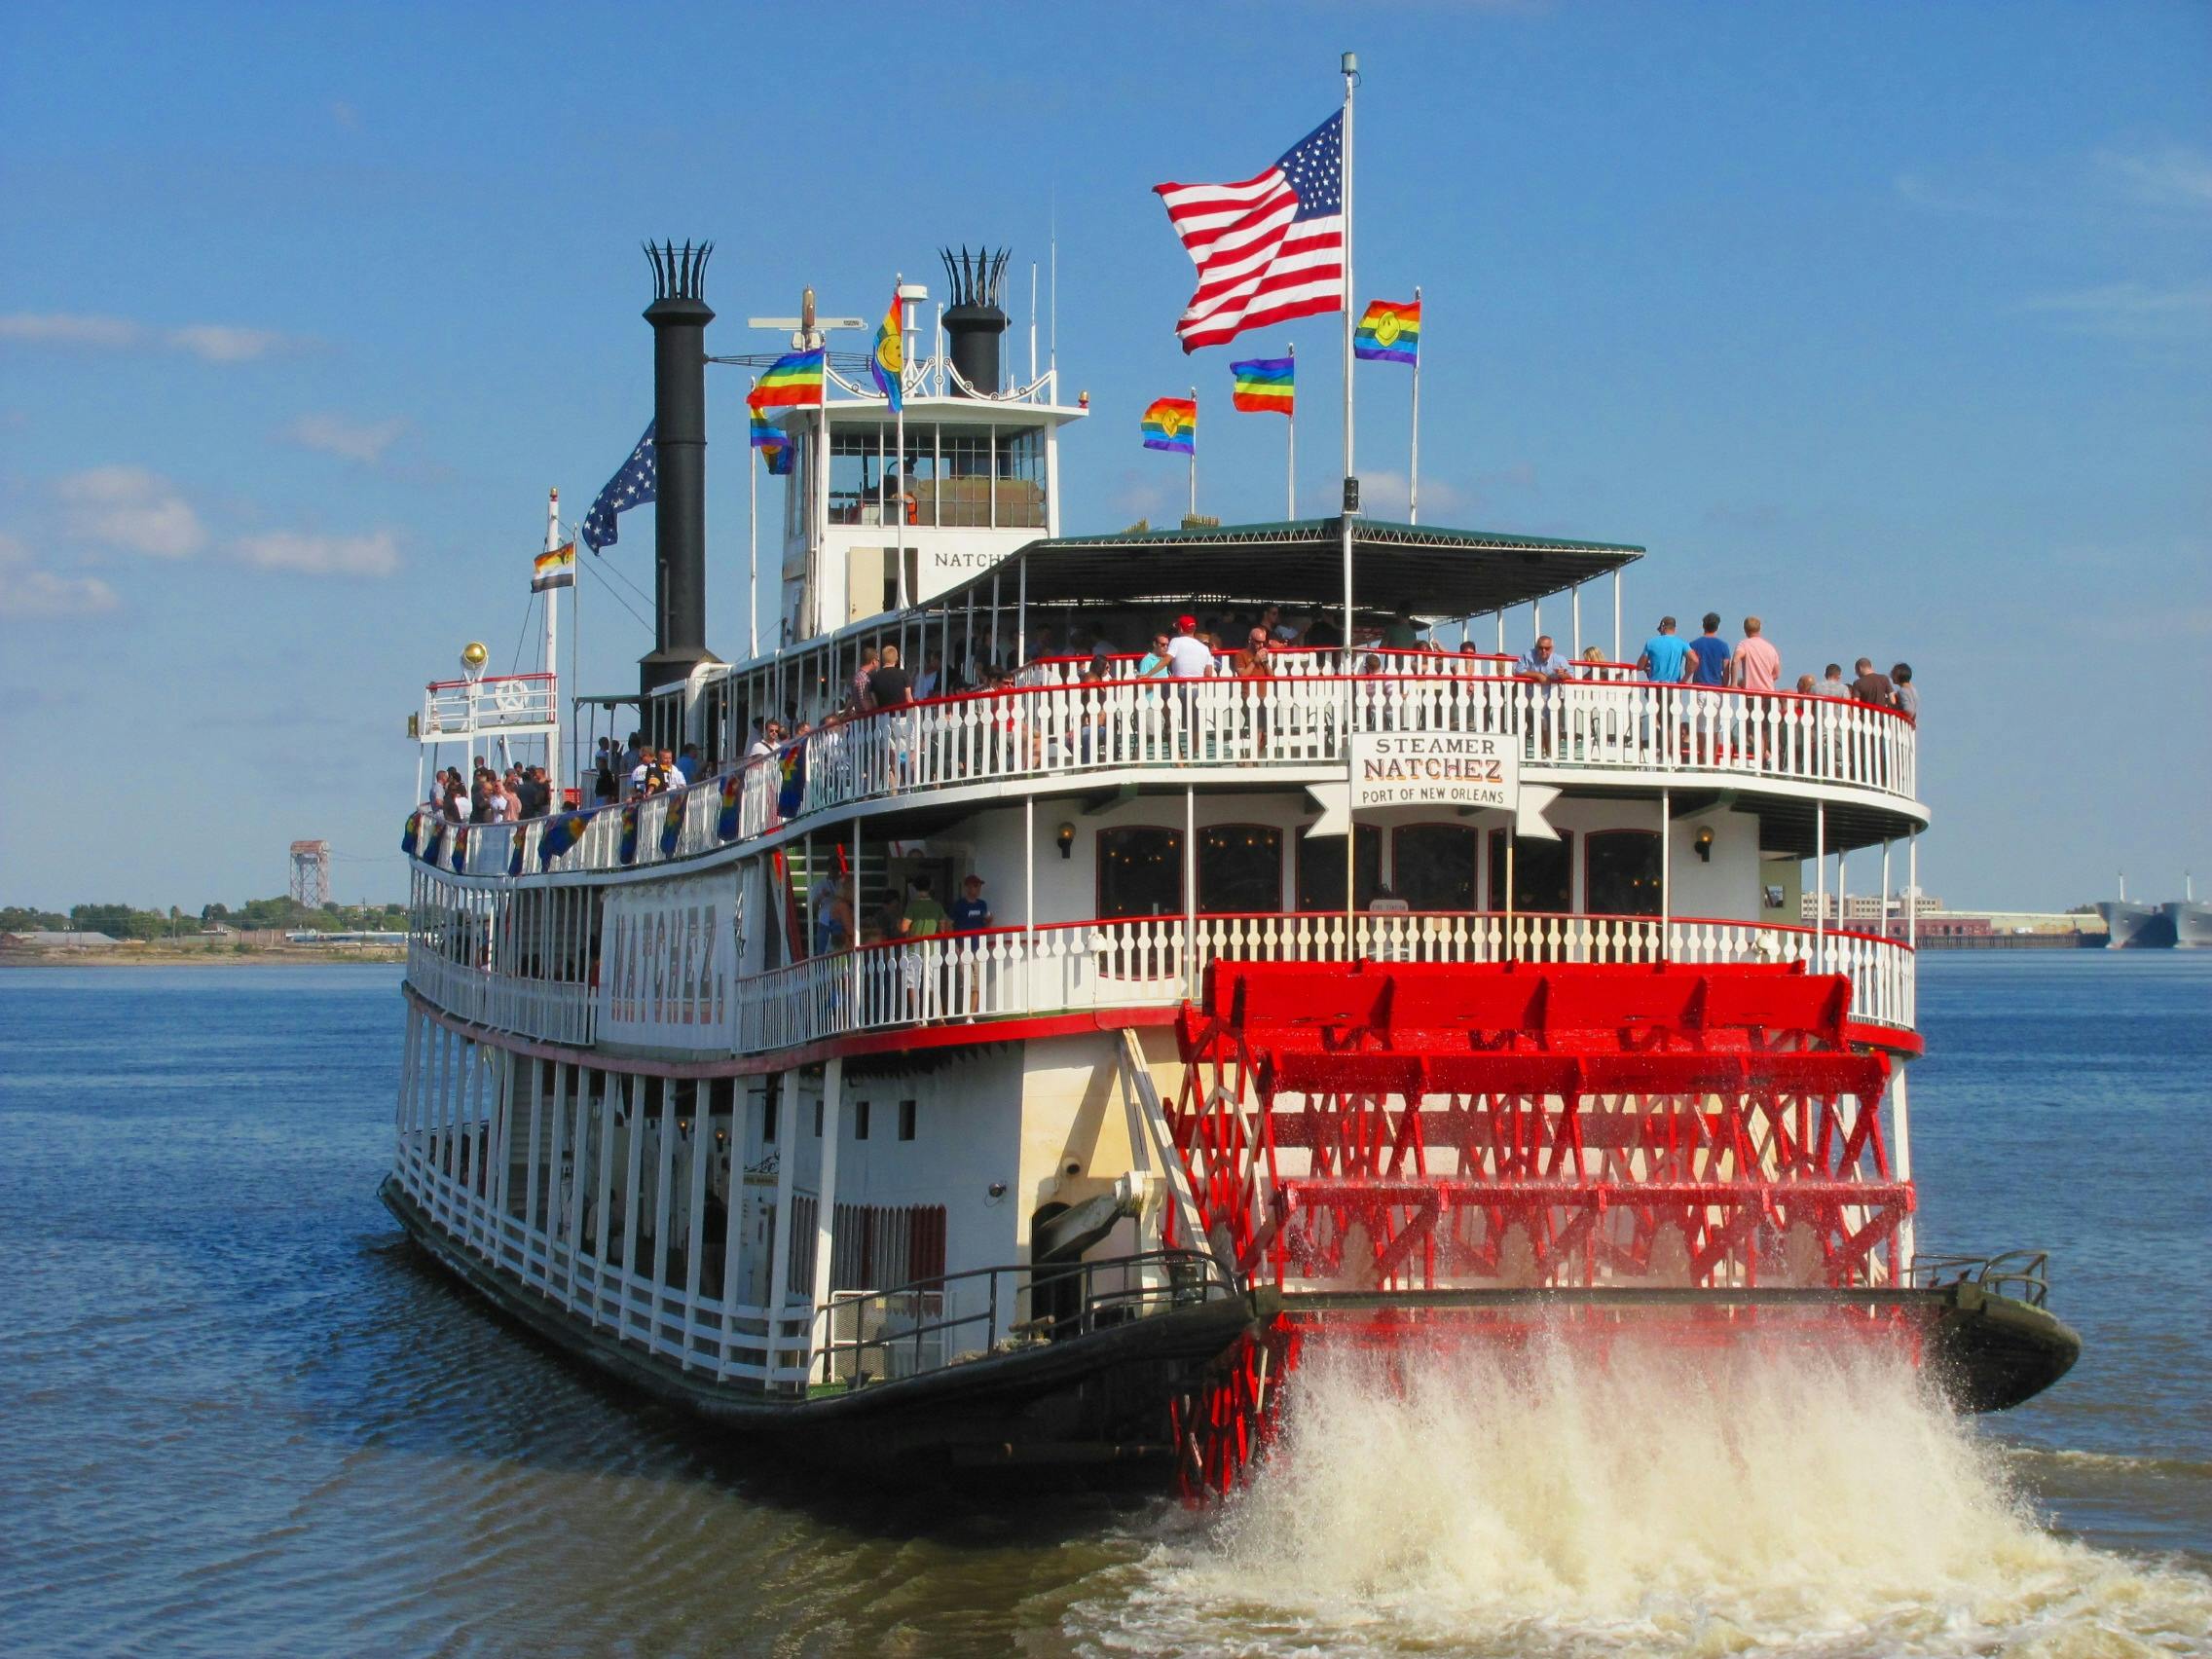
(1665, 1501)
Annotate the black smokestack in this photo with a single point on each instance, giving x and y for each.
(976, 318)
(680, 316)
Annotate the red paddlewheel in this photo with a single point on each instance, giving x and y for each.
(1423, 1155)
(1410, 1128)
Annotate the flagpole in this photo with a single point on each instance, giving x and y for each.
(1194, 513)
(1413, 475)
(752, 530)
(1348, 65)
(552, 642)
(1293, 496)
(899, 422)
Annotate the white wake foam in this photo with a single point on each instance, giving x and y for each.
(1662, 1501)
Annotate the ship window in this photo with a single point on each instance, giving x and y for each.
(1321, 870)
(905, 1120)
(1620, 872)
(817, 1119)
(1543, 873)
(1239, 870)
(1141, 872)
(1433, 866)
(768, 1104)
(860, 1120)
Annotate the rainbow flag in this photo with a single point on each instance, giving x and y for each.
(888, 364)
(726, 821)
(461, 848)
(626, 849)
(410, 837)
(434, 842)
(793, 381)
(1388, 332)
(554, 569)
(1266, 386)
(774, 443)
(515, 840)
(1172, 423)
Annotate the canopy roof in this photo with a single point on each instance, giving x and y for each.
(1424, 568)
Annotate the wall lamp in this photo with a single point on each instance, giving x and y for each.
(1066, 838)
(1703, 843)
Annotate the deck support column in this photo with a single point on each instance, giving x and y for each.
(1666, 876)
(778, 1299)
(825, 1212)
(1819, 885)
(695, 1210)
(734, 1209)
(1617, 615)
(664, 1198)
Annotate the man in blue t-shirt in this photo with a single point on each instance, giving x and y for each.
(1711, 654)
(1665, 656)
(971, 912)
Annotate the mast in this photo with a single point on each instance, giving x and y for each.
(1349, 65)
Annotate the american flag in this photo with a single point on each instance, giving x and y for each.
(1269, 249)
(632, 487)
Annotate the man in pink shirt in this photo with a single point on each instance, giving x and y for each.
(1759, 665)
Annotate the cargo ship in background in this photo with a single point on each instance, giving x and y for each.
(2131, 925)
(1392, 999)
(2190, 918)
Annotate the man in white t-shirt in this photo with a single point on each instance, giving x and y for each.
(1187, 656)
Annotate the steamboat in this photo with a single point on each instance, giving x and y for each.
(1275, 1032)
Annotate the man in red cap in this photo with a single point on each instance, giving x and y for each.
(1188, 660)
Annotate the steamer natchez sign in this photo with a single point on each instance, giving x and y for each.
(1471, 770)
(1436, 768)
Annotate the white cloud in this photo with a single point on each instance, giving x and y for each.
(218, 343)
(364, 441)
(374, 555)
(210, 342)
(134, 509)
(1383, 495)
(2131, 307)
(29, 594)
(59, 328)
(2176, 176)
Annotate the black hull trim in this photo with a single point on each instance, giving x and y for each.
(1089, 1401)
(1987, 1353)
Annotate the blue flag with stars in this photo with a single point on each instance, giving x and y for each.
(632, 487)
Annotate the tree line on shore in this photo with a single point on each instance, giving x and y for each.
(282, 913)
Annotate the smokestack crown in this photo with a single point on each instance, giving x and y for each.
(976, 316)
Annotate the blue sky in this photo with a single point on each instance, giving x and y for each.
(1889, 322)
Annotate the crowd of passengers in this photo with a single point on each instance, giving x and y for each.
(1184, 650)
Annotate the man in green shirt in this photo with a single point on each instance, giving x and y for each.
(925, 916)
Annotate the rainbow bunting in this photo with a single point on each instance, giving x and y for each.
(793, 381)
(460, 849)
(559, 835)
(515, 840)
(626, 849)
(888, 362)
(410, 837)
(1388, 332)
(1266, 386)
(1172, 423)
(672, 823)
(726, 821)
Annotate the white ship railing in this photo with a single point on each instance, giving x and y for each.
(1293, 723)
(544, 1009)
(456, 710)
(1090, 967)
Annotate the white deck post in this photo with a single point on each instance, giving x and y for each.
(631, 1166)
(1820, 882)
(1191, 892)
(734, 1209)
(826, 1210)
(1616, 613)
(1666, 876)
(664, 1173)
(695, 1212)
(776, 1299)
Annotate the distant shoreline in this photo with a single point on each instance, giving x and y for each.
(153, 956)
